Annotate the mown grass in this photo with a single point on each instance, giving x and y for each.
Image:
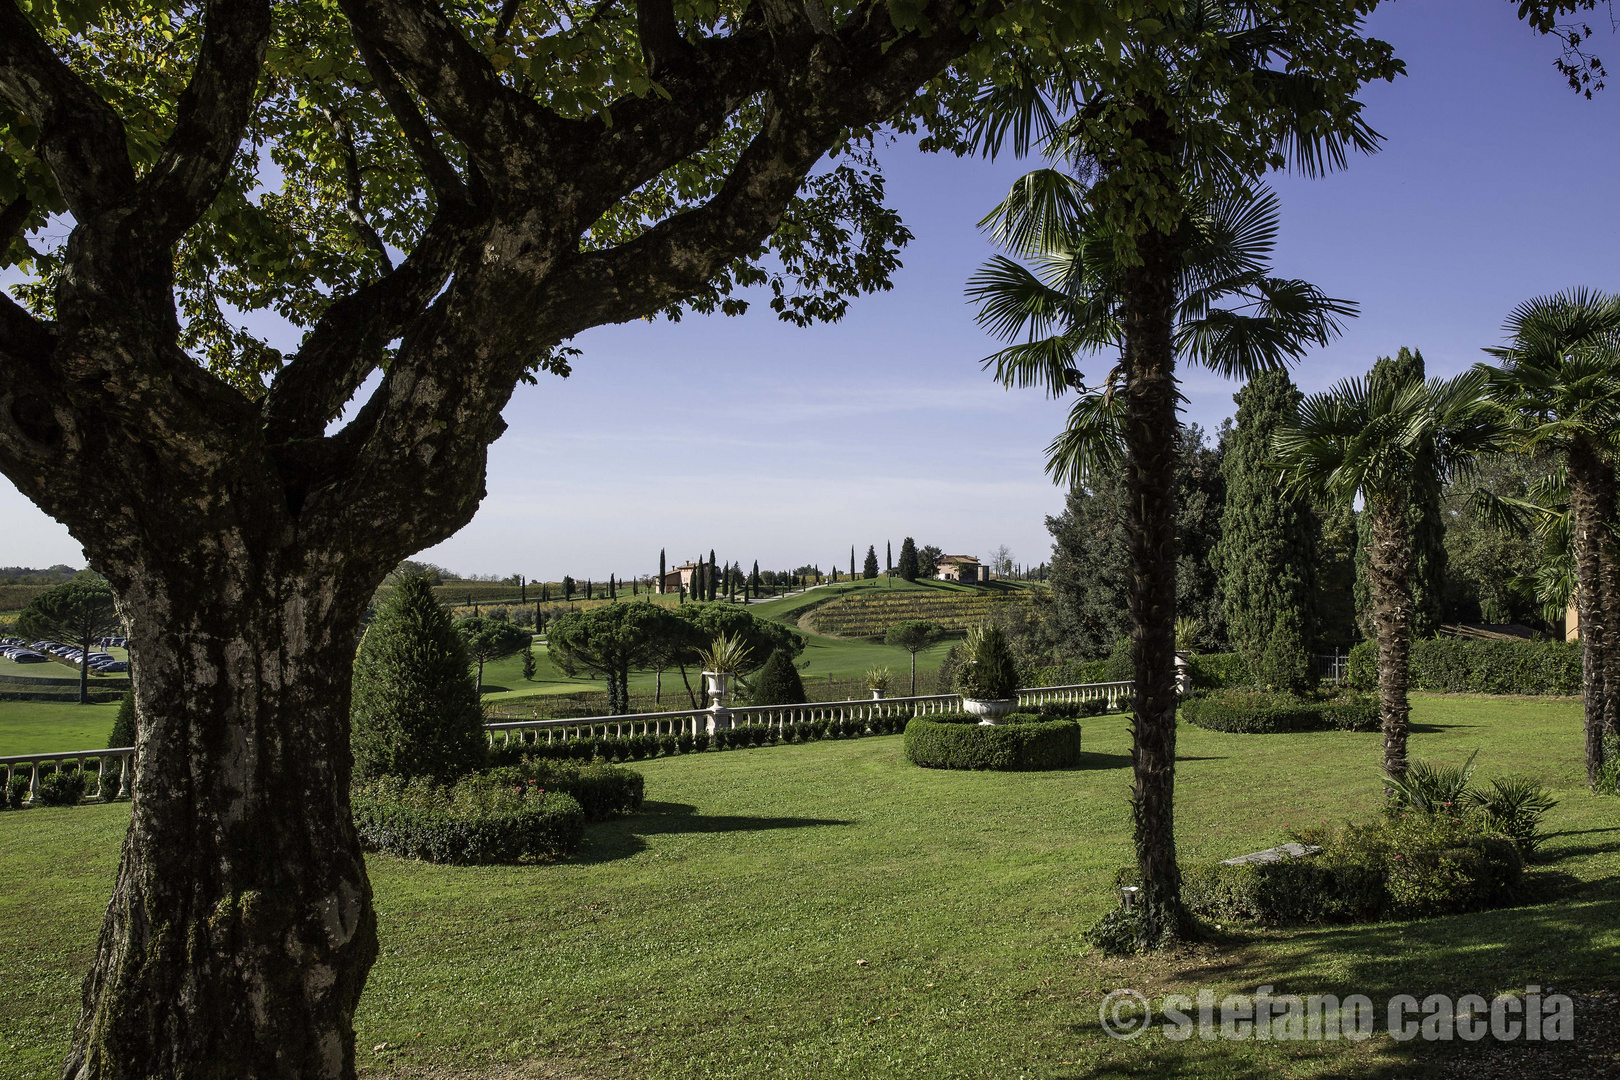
(44, 727)
(717, 934)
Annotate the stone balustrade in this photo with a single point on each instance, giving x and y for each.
(112, 768)
(716, 718)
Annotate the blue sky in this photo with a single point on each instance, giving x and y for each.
(765, 441)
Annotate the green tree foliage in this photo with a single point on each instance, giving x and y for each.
(1335, 599)
(1090, 573)
(909, 569)
(761, 637)
(1267, 547)
(928, 557)
(489, 639)
(528, 659)
(567, 587)
(1491, 570)
(913, 635)
(869, 569)
(615, 639)
(415, 710)
(75, 612)
(778, 682)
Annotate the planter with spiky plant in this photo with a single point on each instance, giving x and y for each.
(721, 661)
(987, 679)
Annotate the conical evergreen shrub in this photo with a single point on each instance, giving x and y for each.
(778, 682)
(415, 709)
(123, 732)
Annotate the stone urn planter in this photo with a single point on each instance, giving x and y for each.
(989, 710)
(718, 684)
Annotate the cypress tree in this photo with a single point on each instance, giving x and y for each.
(661, 570)
(123, 732)
(415, 709)
(852, 562)
(613, 592)
(870, 569)
(1267, 549)
(888, 556)
(588, 595)
(1425, 531)
(712, 578)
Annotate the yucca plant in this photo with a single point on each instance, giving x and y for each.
(879, 678)
(726, 653)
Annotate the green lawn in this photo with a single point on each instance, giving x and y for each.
(717, 934)
(44, 727)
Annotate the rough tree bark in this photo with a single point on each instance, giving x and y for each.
(243, 542)
(1148, 303)
(1592, 508)
(1390, 568)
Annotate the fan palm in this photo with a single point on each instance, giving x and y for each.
(1559, 374)
(1158, 254)
(1381, 438)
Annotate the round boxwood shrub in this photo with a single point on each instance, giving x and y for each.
(480, 819)
(62, 788)
(1020, 742)
(1256, 712)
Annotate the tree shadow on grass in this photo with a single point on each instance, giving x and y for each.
(1092, 760)
(624, 837)
(1563, 945)
(1435, 729)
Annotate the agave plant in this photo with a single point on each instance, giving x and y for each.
(878, 678)
(726, 653)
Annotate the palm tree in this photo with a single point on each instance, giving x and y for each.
(1227, 313)
(1559, 374)
(1381, 438)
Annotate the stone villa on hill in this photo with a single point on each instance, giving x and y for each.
(961, 568)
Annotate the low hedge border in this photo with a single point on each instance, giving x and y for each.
(1235, 715)
(637, 747)
(1457, 665)
(549, 826)
(1026, 742)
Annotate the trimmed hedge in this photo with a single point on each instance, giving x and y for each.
(1405, 867)
(603, 791)
(1457, 665)
(1217, 671)
(1260, 713)
(474, 821)
(1019, 743)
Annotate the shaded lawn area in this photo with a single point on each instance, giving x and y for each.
(717, 934)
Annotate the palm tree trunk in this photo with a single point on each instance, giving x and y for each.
(1148, 302)
(1591, 507)
(1389, 567)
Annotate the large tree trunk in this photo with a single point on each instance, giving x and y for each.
(1592, 507)
(1390, 569)
(1150, 525)
(240, 930)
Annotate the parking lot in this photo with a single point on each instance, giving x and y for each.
(21, 659)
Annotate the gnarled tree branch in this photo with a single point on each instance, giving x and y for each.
(212, 114)
(81, 138)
